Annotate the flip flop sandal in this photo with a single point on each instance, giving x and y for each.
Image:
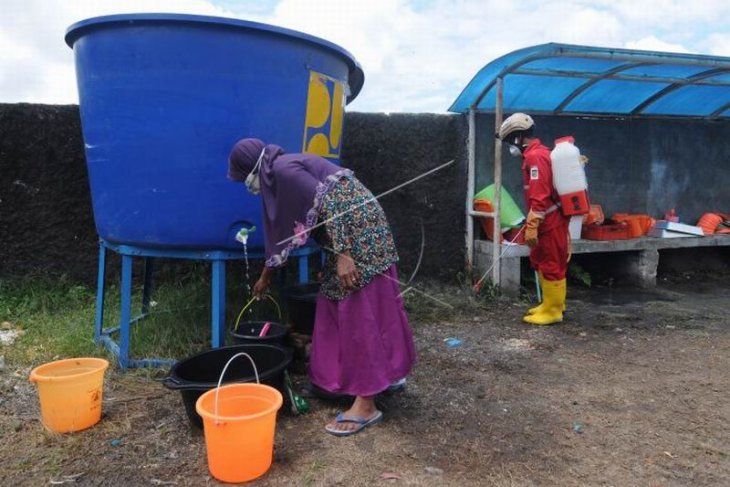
(361, 422)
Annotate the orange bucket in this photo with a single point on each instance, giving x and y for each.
(487, 222)
(70, 393)
(239, 422)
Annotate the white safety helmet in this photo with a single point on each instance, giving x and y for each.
(517, 122)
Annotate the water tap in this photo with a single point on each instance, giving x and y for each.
(243, 233)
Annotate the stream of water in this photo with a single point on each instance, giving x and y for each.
(248, 277)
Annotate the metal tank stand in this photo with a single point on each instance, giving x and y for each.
(218, 260)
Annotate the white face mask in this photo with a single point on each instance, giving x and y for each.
(253, 181)
(515, 151)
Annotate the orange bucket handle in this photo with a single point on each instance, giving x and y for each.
(220, 379)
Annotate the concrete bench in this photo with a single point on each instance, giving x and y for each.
(639, 267)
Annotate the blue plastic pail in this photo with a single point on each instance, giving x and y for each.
(163, 98)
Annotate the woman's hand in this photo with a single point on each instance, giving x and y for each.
(262, 285)
(347, 271)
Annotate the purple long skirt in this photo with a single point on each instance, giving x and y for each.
(363, 343)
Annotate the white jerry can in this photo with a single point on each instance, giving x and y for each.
(569, 177)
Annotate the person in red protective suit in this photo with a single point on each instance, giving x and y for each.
(546, 229)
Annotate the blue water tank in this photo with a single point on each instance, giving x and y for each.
(163, 98)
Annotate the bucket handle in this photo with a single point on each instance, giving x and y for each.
(220, 379)
(243, 310)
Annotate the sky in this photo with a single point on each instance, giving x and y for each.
(417, 55)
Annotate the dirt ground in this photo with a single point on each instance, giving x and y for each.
(632, 389)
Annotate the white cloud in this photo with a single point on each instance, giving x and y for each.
(651, 43)
(37, 64)
(414, 59)
(669, 13)
(719, 44)
(372, 31)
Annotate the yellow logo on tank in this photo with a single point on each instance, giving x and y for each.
(325, 110)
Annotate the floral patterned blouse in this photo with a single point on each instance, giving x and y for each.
(354, 221)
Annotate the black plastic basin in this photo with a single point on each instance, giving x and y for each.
(199, 373)
(248, 332)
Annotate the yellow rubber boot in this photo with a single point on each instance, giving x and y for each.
(538, 308)
(553, 301)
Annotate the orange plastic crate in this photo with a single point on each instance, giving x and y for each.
(610, 231)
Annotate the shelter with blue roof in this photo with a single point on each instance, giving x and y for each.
(654, 124)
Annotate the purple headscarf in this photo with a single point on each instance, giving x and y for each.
(292, 187)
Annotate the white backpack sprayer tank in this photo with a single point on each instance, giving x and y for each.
(569, 179)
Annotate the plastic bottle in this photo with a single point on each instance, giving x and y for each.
(569, 177)
(671, 216)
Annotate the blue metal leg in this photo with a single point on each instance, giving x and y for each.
(218, 301)
(121, 349)
(126, 310)
(147, 290)
(304, 269)
(100, 280)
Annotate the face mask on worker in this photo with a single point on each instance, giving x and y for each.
(253, 181)
(515, 147)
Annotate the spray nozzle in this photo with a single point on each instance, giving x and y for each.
(243, 233)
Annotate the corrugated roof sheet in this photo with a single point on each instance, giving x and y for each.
(562, 79)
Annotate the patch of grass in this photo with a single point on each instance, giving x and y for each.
(57, 318)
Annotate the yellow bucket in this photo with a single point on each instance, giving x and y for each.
(239, 422)
(70, 393)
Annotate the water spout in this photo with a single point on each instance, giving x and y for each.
(243, 233)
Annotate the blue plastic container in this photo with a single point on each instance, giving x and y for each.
(163, 98)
